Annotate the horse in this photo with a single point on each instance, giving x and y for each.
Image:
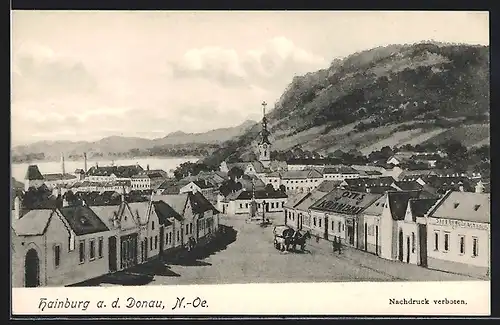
(300, 239)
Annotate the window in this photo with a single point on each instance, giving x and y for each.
(82, 251)
(100, 247)
(57, 255)
(282, 204)
(178, 236)
(285, 213)
(436, 241)
(461, 240)
(446, 241)
(339, 226)
(314, 221)
(152, 225)
(156, 242)
(241, 205)
(343, 227)
(187, 229)
(191, 228)
(150, 243)
(475, 248)
(246, 205)
(413, 242)
(92, 249)
(333, 225)
(319, 222)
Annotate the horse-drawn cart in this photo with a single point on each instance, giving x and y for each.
(286, 238)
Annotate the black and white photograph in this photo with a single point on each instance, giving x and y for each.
(165, 148)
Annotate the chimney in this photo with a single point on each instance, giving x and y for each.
(96, 164)
(85, 162)
(147, 167)
(17, 208)
(62, 164)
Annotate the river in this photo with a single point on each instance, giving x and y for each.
(48, 167)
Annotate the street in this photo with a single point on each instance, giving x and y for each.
(251, 258)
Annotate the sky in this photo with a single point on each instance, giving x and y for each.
(82, 76)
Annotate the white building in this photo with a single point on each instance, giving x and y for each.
(458, 233)
(296, 181)
(339, 173)
(239, 202)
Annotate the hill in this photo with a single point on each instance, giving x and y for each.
(176, 144)
(392, 95)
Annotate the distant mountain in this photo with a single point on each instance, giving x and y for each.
(392, 95)
(117, 144)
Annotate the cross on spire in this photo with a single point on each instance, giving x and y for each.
(264, 104)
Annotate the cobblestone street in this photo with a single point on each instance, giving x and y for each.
(253, 258)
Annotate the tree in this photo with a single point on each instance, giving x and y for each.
(455, 149)
(235, 173)
(282, 188)
(269, 188)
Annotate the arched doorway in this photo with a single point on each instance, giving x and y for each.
(31, 269)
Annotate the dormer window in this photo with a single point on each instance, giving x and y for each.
(476, 207)
(456, 205)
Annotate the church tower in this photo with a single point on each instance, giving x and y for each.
(264, 144)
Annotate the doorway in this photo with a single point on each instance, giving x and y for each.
(400, 255)
(422, 231)
(376, 240)
(267, 206)
(31, 269)
(162, 239)
(112, 253)
(326, 228)
(366, 236)
(407, 249)
(350, 235)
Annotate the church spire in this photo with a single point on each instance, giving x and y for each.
(265, 132)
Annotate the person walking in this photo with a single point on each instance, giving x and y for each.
(339, 246)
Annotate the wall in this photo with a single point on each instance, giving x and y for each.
(372, 222)
(243, 206)
(70, 270)
(386, 233)
(410, 231)
(301, 185)
(453, 254)
(20, 245)
(319, 228)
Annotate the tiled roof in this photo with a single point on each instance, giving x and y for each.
(328, 185)
(200, 204)
(294, 200)
(370, 182)
(83, 220)
(33, 223)
(419, 207)
(118, 171)
(262, 194)
(408, 185)
(398, 202)
(140, 209)
(345, 202)
(257, 165)
(302, 174)
(164, 212)
(464, 206)
(312, 198)
(377, 207)
(202, 184)
(175, 201)
(58, 177)
(339, 170)
(106, 213)
(33, 173)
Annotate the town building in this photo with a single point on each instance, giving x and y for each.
(239, 202)
(335, 216)
(56, 247)
(297, 210)
(458, 234)
(301, 180)
(147, 180)
(33, 178)
(339, 172)
(414, 233)
(202, 186)
(112, 173)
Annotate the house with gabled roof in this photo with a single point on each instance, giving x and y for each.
(151, 233)
(414, 230)
(336, 215)
(459, 233)
(301, 180)
(33, 177)
(58, 246)
(170, 221)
